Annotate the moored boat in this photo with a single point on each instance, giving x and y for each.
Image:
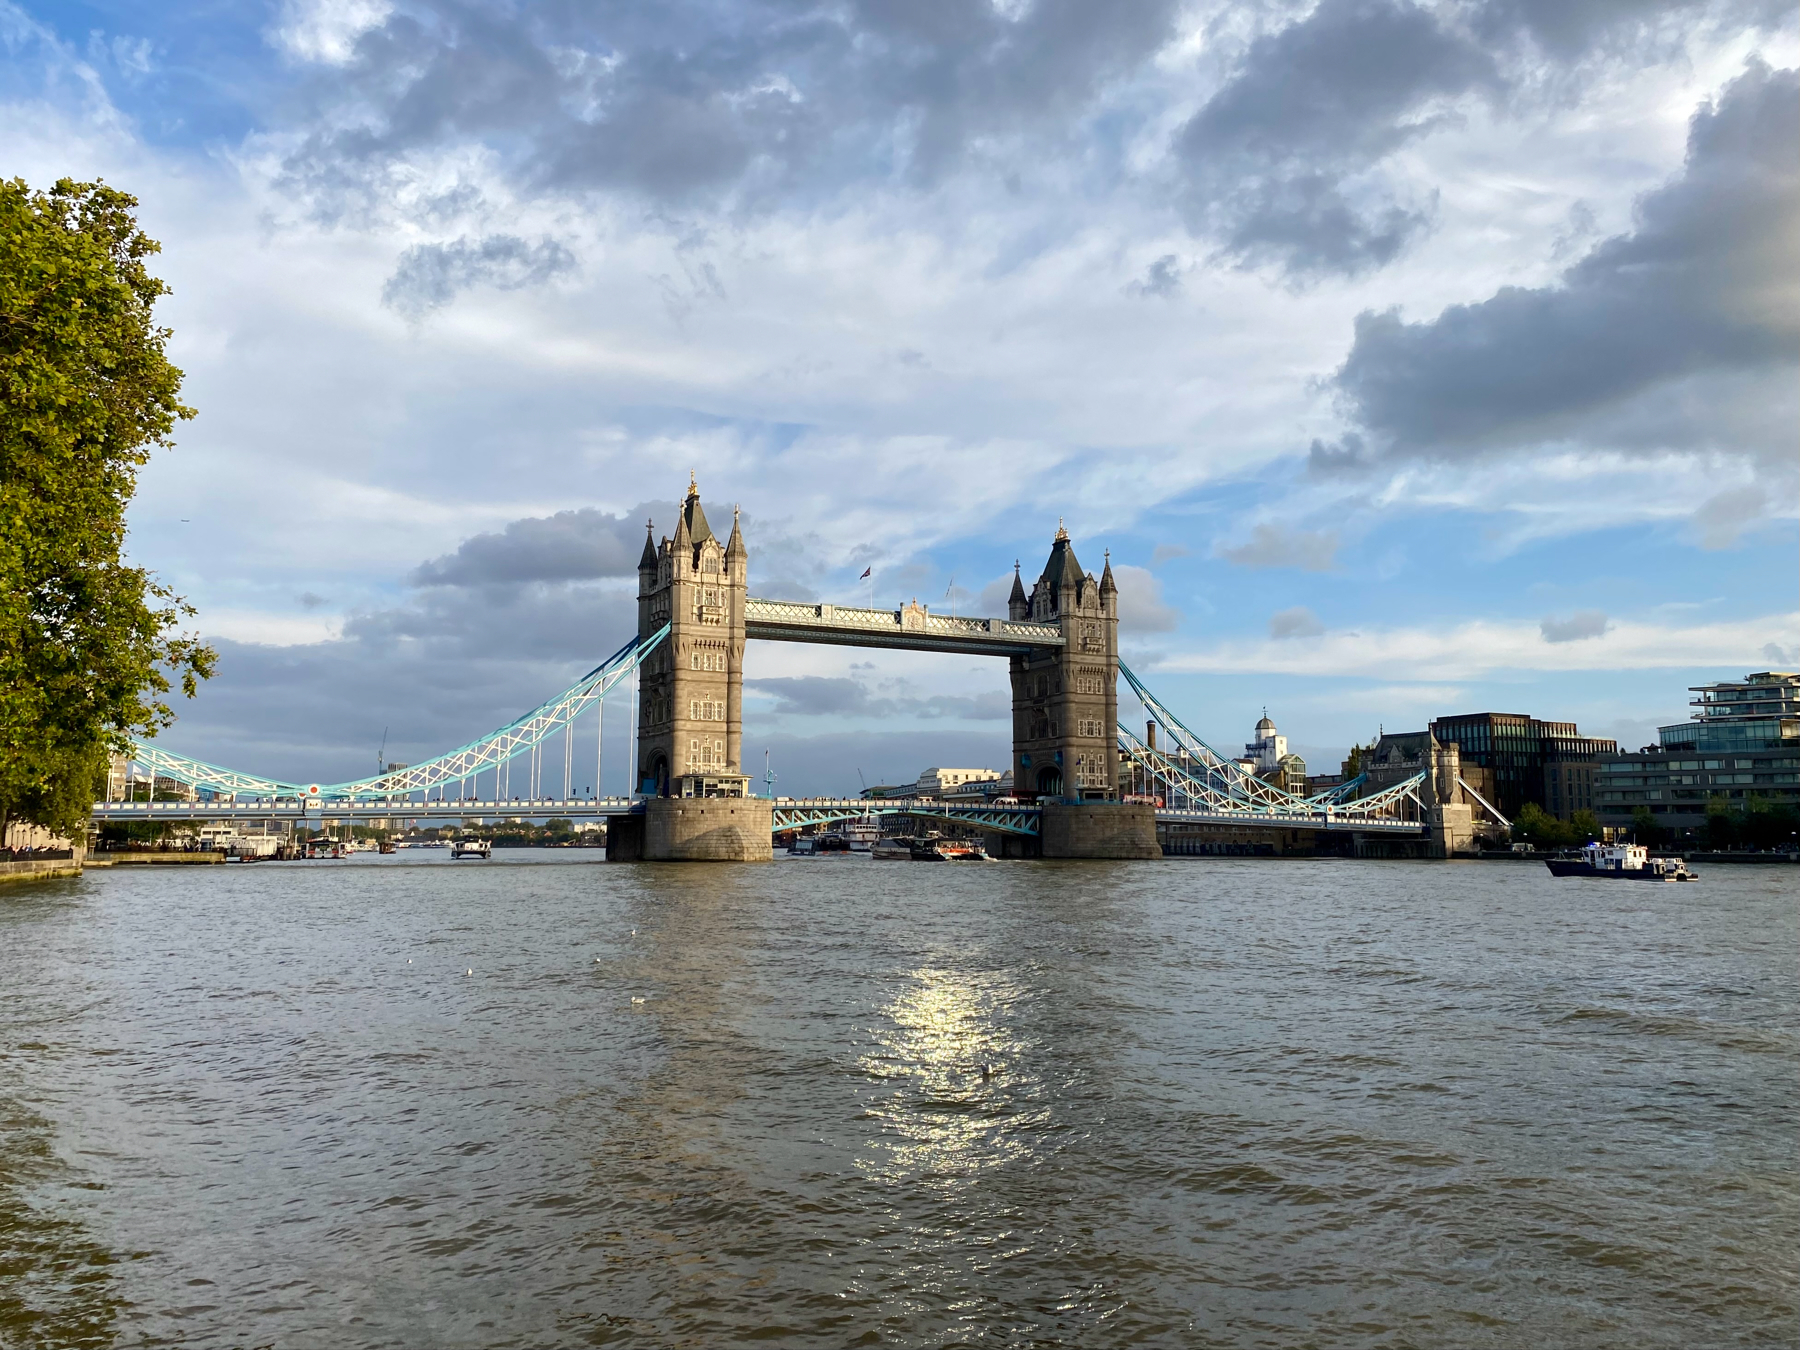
(1620, 862)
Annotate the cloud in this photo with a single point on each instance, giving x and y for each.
(1468, 650)
(430, 275)
(1141, 607)
(1162, 278)
(1723, 517)
(995, 594)
(1781, 656)
(1587, 623)
(1283, 546)
(687, 101)
(1297, 622)
(569, 546)
(820, 695)
(1657, 321)
(310, 601)
(1167, 552)
(326, 30)
(1272, 159)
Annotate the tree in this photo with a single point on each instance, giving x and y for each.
(1721, 829)
(1646, 829)
(88, 644)
(1534, 825)
(1586, 826)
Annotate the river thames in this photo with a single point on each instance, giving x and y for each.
(547, 1101)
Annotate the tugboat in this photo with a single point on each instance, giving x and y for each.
(1620, 862)
(471, 847)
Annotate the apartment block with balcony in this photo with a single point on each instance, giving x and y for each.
(1741, 749)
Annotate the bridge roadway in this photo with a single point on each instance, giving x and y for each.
(789, 813)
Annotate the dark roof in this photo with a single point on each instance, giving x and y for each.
(1063, 564)
(698, 530)
(647, 560)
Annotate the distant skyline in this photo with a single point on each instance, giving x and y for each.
(1409, 359)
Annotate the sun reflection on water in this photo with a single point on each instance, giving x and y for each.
(950, 1086)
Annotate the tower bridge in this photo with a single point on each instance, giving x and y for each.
(692, 799)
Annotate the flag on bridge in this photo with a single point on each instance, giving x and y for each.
(865, 575)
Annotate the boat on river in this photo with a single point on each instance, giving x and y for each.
(1620, 862)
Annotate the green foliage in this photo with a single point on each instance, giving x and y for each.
(1770, 825)
(1645, 828)
(88, 645)
(1536, 826)
(1721, 828)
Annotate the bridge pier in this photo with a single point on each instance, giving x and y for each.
(1099, 830)
(694, 829)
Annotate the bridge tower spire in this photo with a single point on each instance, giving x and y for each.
(690, 718)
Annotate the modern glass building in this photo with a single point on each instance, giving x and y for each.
(1741, 749)
(1550, 763)
(1760, 711)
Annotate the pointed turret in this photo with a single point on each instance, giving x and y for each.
(1017, 606)
(1062, 571)
(693, 517)
(647, 559)
(735, 552)
(1107, 585)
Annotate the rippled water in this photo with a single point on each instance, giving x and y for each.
(1226, 1103)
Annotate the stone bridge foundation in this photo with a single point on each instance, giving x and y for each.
(1099, 830)
(694, 829)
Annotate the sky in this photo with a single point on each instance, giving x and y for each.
(1406, 359)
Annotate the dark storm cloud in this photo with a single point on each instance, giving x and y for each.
(430, 275)
(491, 631)
(1285, 546)
(1705, 285)
(1577, 627)
(1570, 29)
(1162, 278)
(791, 101)
(1268, 158)
(449, 665)
(568, 546)
(679, 99)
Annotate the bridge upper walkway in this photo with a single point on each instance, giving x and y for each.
(913, 627)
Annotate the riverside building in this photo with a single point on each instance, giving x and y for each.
(1740, 750)
(1550, 763)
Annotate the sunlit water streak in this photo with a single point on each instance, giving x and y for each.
(1225, 1104)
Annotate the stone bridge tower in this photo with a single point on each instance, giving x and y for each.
(1066, 700)
(691, 688)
